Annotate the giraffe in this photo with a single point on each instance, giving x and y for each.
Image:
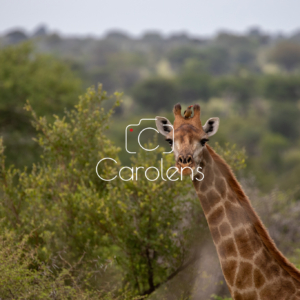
(253, 267)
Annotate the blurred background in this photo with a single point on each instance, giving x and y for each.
(239, 60)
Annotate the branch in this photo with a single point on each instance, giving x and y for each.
(181, 268)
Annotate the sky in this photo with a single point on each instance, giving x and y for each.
(195, 17)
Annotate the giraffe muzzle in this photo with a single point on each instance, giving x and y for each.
(185, 164)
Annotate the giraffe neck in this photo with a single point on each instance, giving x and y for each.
(252, 265)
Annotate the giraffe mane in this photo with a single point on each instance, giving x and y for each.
(254, 218)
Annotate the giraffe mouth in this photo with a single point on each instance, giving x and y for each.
(185, 170)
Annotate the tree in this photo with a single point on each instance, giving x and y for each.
(179, 55)
(241, 89)
(217, 59)
(16, 36)
(194, 82)
(155, 93)
(214, 59)
(284, 120)
(286, 54)
(282, 88)
(48, 83)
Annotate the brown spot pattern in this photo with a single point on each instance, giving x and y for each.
(244, 276)
(266, 264)
(231, 197)
(204, 185)
(245, 296)
(216, 217)
(213, 198)
(278, 290)
(227, 249)
(254, 238)
(259, 279)
(235, 214)
(209, 201)
(284, 273)
(225, 229)
(215, 234)
(243, 243)
(207, 157)
(296, 283)
(272, 272)
(208, 176)
(287, 287)
(220, 185)
(262, 260)
(205, 204)
(217, 171)
(238, 296)
(251, 296)
(229, 269)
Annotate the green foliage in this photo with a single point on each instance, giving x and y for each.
(64, 207)
(236, 159)
(193, 86)
(242, 89)
(284, 120)
(139, 231)
(57, 195)
(179, 55)
(48, 83)
(155, 93)
(24, 276)
(273, 145)
(220, 298)
(286, 54)
(281, 88)
(296, 258)
(214, 60)
(70, 208)
(144, 219)
(217, 60)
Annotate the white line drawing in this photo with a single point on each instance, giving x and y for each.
(130, 125)
(98, 165)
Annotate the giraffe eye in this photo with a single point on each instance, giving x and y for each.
(203, 141)
(170, 142)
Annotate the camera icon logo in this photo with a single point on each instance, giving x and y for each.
(129, 127)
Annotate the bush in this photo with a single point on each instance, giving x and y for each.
(24, 276)
(57, 195)
(139, 232)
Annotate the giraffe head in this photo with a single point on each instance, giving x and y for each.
(187, 137)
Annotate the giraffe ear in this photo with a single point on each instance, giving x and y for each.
(211, 126)
(163, 125)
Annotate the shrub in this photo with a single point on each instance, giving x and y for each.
(134, 234)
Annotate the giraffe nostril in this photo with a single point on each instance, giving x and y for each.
(185, 159)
